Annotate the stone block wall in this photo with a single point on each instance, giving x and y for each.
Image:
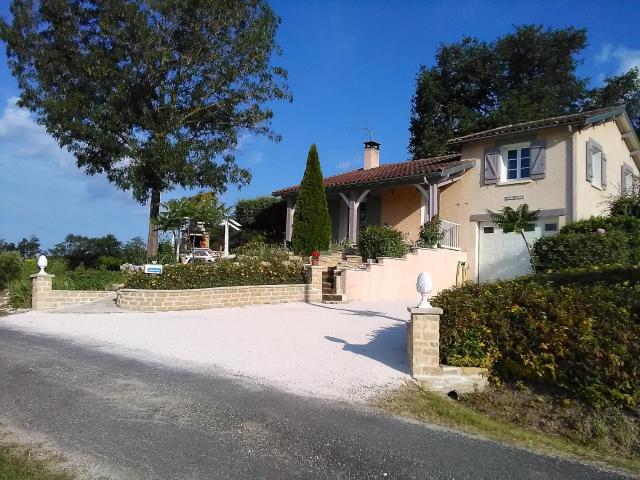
(45, 298)
(203, 298)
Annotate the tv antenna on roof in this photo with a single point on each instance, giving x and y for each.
(368, 131)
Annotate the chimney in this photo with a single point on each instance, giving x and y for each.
(371, 154)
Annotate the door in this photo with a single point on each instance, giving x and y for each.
(502, 256)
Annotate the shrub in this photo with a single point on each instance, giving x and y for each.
(264, 216)
(311, 224)
(575, 250)
(431, 233)
(110, 263)
(222, 273)
(258, 248)
(380, 241)
(577, 331)
(9, 268)
(88, 279)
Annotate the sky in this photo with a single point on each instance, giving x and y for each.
(352, 65)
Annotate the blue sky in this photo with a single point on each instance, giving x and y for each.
(351, 64)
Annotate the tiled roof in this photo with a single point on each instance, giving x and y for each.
(571, 119)
(388, 172)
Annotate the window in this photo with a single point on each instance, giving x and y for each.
(487, 229)
(550, 227)
(517, 162)
(596, 161)
(596, 165)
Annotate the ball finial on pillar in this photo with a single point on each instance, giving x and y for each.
(424, 285)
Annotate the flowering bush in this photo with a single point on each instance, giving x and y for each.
(222, 273)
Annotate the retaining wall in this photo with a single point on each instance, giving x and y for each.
(45, 298)
(395, 278)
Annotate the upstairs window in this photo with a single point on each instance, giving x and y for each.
(517, 161)
(596, 165)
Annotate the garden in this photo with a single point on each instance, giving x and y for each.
(562, 345)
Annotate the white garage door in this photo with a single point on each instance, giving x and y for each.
(504, 255)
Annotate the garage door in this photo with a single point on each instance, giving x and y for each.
(504, 255)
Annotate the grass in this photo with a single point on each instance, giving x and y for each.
(419, 403)
(18, 464)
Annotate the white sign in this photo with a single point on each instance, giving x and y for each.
(153, 268)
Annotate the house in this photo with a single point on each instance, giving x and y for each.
(566, 166)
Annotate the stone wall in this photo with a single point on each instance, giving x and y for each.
(45, 298)
(202, 298)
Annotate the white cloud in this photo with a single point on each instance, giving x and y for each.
(626, 58)
(24, 139)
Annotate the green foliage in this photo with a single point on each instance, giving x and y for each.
(151, 93)
(596, 241)
(9, 268)
(381, 241)
(80, 250)
(258, 248)
(263, 216)
(578, 332)
(431, 233)
(30, 247)
(627, 203)
(202, 209)
(524, 75)
(311, 224)
(7, 246)
(107, 262)
(576, 250)
(244, 270)
(134, 251)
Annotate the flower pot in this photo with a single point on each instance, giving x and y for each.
(315, 262)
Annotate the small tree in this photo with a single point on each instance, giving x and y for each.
(311, 222)
(178, 214)
(517, 221)
(628, 201)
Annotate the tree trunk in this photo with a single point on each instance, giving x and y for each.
(154, 211)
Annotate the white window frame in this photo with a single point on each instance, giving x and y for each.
(504, 155)
(627, 179)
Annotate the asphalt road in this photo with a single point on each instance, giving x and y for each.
(144, 421)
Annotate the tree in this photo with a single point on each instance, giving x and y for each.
(80, 250)
(525, 75)
(263, 216)
(135, 251)
(29, 248)
(201, 211)
(311, 222)
(148, 92)
(7, 246)
(517, 221)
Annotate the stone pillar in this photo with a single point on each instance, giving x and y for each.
(42, 285)
(314, 275)
(423, 342)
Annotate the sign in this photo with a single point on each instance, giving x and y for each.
(153, 268)
(515, 197)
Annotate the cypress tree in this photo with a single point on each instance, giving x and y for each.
(311, 222)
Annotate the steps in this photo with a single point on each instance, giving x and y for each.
(329, 294)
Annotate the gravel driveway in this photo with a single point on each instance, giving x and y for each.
(345, 351)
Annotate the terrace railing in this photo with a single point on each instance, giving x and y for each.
(451, 237)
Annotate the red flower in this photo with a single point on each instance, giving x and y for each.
(315, 254)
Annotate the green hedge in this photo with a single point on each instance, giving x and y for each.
(578, 250)
(575, 331)
(380, 241)
(222, 273)
(9, 268)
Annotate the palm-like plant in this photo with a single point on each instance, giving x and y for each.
(516, 221)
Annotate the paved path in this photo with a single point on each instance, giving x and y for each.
(138, 420)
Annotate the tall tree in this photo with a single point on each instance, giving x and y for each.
(152, 93)
(524, 75)
(311, 221)
(29, 247)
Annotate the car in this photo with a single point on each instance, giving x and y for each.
(202, 255)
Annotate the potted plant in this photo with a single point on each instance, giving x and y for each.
(315, 258)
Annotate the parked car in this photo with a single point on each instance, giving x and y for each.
(202, 255)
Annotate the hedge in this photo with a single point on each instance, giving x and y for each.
(380, 241)
(222, 273)
(578, 332)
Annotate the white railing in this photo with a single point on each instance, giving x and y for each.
(451, 237)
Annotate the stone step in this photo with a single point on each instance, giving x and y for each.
(332, 298)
